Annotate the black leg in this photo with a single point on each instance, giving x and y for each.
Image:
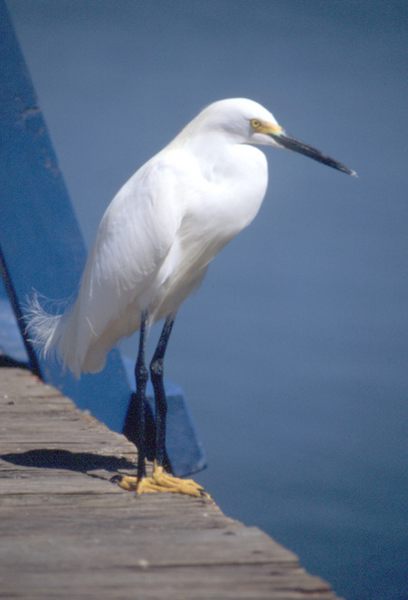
(141, 376)
(156, 374)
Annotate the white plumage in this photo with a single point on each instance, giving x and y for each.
(162, 229)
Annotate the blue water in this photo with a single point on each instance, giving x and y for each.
(293, 354)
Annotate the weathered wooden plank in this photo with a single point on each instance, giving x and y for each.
(226, 582)
(67, 531)
(179, 546)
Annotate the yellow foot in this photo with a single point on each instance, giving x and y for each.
(162, 482)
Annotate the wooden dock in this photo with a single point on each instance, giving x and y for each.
(68, 532)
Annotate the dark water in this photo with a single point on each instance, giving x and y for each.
(293, 354)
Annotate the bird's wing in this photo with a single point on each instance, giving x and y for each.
(136, 233)
(133, 239)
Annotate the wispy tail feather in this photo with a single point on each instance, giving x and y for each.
(59, 335)
(70, 336)
(44, 329)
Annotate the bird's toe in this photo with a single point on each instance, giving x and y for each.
(162, 482)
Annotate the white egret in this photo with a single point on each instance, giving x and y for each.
(153, 247)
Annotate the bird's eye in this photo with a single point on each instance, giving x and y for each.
(255, 123)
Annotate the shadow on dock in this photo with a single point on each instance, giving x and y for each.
(80, 462)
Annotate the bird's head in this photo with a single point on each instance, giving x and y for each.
(246, 121)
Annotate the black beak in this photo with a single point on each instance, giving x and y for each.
(293, 144)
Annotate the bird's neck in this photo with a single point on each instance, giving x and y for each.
(207, 147)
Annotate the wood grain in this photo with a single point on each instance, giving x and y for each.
(68, 532)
